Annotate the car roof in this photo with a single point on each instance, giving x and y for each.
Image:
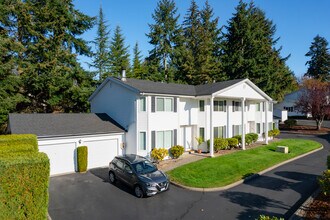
(132, 158)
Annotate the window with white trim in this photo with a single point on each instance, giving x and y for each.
(219, 106)
(237, 130)
(201, 105)
(143, 104)
(258, 107)
(219, 132)
(202, 133)
(143, 141)
(164, 139)
(258, 128)
(164, 104)
(236, 106)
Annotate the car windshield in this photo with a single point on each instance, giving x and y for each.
(144, 167)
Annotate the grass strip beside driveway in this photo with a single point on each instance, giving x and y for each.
(227, 169)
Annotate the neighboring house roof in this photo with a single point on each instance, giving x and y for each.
(146, 86)
(63, 124)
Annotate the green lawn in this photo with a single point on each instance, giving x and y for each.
(223, 170)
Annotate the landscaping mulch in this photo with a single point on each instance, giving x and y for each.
(319, 208)
(305, 129)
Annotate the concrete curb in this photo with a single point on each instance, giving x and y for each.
(246, 179)
(301, 211)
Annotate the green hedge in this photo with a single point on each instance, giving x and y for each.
(82, 155)
(24, 185)
(19, 139)
(232, 142)
(17, 148)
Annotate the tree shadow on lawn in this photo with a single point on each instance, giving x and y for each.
(102, 173)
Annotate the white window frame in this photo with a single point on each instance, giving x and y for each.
(237, 108)
(200, 105)
(258, 130)
(143, 148)
(164, 101)
(218, 104)
(143, 104)
(164, 140)
(222, 134)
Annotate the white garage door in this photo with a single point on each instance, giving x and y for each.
(101, 152)
(61, 156)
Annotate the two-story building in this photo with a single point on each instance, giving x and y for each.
(157, 114)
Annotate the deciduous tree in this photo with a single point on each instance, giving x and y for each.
(315, 100)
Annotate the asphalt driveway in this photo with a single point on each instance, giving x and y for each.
(279, 192)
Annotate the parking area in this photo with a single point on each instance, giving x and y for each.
(91, 196)
(276, 193)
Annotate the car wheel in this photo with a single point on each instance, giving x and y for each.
(112, 177)
(138, 191)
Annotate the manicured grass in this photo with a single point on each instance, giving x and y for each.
(223, 170)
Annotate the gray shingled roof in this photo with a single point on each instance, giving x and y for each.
(145, 86)
(63, 124)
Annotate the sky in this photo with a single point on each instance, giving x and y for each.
(297, 22)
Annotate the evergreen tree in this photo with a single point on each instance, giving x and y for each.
(9, 77)
(101, 56)
(249, 52)
(119, 56)
(200, 54)
(210, 65)
(319, 63)
(138, 67)
(48, 67)
(164, 36)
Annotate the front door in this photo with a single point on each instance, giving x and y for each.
(187, 137)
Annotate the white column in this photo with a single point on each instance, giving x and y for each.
(266, 122)
(211, 127)
(243, 124)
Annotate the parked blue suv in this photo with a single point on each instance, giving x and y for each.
(139, 173)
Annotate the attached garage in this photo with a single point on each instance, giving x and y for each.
(59, 135)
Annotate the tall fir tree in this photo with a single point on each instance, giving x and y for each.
(101, 57)
(10, 82)
(119, 56)
(319, 63)
(200, 55)
(138, 71)
(164, 36)
(50, 73)
(249, 52)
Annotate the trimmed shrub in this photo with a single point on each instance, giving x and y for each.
(19, 139)
(254, 137)
(24, 185)
(271, 133)
(220, 144)
(248, 139)
(324, 182)
(232, 142)
(158, 154)
(17, 148)
(290, 123)
(176, 151)
(82, 155)
(276, 132)
(265, 217)
(239, 138)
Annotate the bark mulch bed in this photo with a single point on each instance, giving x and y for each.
(305, 129)
(319, 208)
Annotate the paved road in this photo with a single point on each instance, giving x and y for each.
(279, 192)
(325, 124)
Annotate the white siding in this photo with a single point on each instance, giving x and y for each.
(62, 151)
(188, 110)
(120, 104)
